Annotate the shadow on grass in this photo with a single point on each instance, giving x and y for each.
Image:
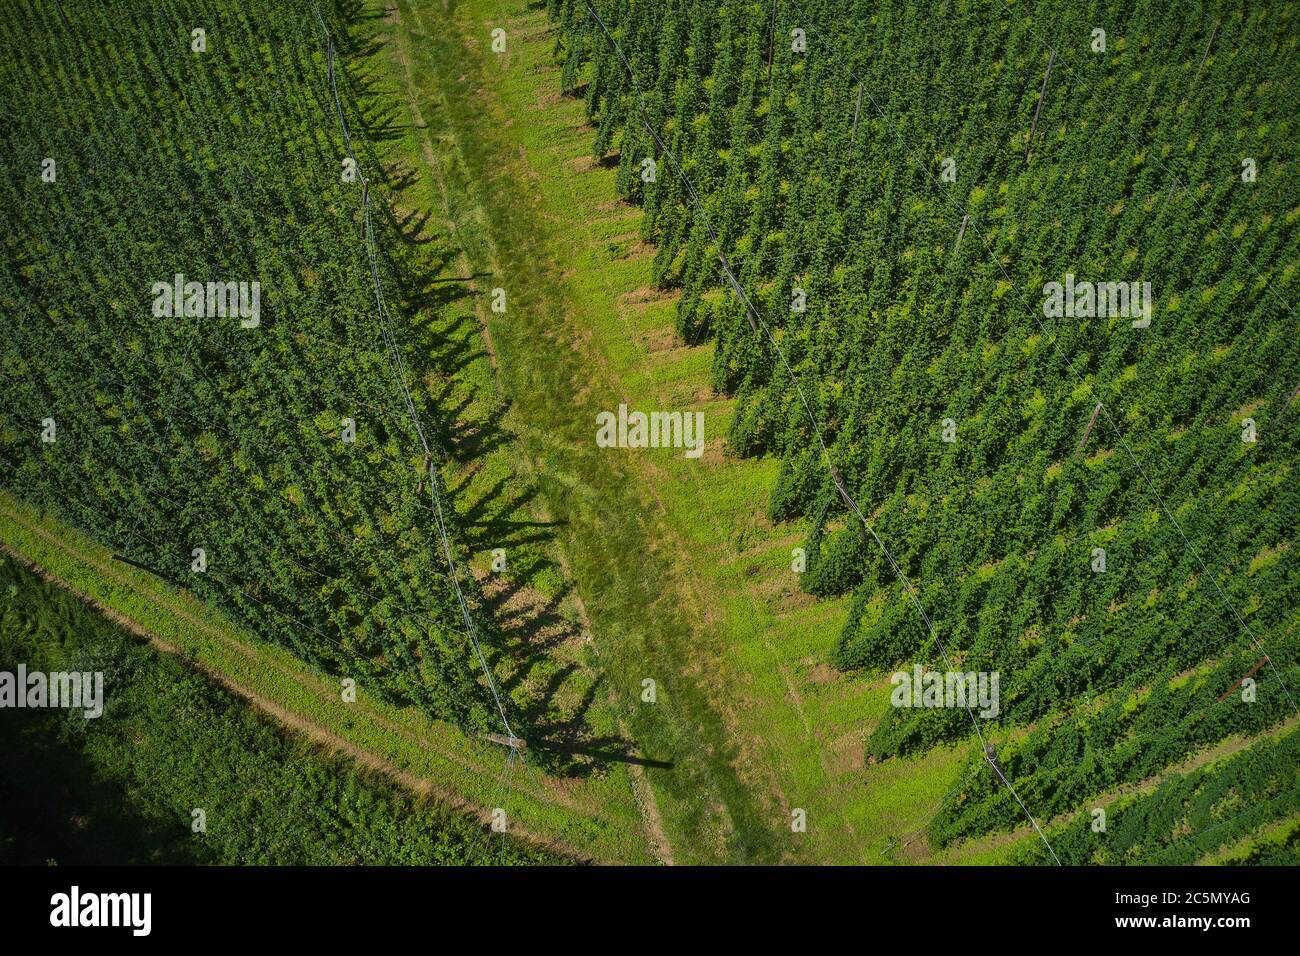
(450, 369)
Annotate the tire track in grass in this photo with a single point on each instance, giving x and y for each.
(642, 791)
(611, 529)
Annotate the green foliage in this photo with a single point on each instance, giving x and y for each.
(1188, 817)
(1133, 737)
(122, 787)
(186, 432)
(1133, 173)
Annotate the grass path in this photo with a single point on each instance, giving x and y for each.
(684, 579)
(417, 148)
(612, 531)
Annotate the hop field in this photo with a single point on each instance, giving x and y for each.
(977, 320)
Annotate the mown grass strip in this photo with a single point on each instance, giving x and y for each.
(611, 527)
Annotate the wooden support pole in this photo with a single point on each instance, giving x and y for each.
(1042, 93)
(1088, 431)
(771, 41)
(514, 743)
(1244, 677)
(58, 6)
(991, 755)
(1206, 54)
(843, 488)
(740, 293)
(965, 221)
(428, 460)
(857, 112)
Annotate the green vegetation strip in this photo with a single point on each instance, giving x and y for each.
(178, 770)
(1191, 815)
(571, 816)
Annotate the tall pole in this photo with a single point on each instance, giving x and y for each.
(1041, 93)
(771, 41)
(1088, 431)
(857, 112)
